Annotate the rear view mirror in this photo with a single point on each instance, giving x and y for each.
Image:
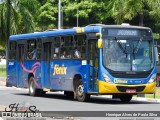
(156, 53)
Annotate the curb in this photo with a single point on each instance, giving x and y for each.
(10, 88)
(146, 99)
(135, 98)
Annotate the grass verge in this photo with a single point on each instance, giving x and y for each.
(3, 70)
(157, 94)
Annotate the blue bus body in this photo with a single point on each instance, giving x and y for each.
(60, 74)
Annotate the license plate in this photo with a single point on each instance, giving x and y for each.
(131, 90)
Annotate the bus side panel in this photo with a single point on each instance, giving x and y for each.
(20, 75)
(38, 74)
(45, 69)
(26, 68)
(11, 73)
(63, 71)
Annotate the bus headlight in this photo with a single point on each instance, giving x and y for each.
(152, 79)
(106, 78)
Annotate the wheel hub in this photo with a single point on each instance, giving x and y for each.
(31, 87)
(80, 90)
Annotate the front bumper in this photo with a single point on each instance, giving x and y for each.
(107, 88)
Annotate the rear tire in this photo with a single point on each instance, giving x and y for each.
(125, 98)
(80, 94)
(33, 91)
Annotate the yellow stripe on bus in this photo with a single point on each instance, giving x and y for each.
(46, 89)
(79, 30)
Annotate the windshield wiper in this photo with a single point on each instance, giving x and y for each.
(121, 46)
(135, 50)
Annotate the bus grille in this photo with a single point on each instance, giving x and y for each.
(123, 88)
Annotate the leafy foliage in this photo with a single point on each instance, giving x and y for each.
(48, 14)
(23, 16)
(17, 16)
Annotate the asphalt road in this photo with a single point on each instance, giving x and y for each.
(56, 101)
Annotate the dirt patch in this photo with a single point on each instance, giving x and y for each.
(2, 81)
(2, 107)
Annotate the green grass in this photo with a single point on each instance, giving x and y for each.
(157, 94)
(3, 70)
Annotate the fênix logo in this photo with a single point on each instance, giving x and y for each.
(59, 70)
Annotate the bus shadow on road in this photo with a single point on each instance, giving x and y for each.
(93, 99)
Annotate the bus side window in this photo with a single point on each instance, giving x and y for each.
(12, 50)
(80, 44)
(66, 48)
(55, 48)
(21, 53)
(31, 50)
(39, 48)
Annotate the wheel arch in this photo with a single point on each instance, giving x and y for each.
(29, 76)
(75, 79)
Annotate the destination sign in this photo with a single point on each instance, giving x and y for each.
(123, 32)
(127, 32)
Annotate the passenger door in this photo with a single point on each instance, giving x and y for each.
(46, 64)
(93, 61)
(21, 79)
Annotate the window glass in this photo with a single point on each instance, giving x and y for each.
(56, 48)
(69, 47)
(39, 48)
(31, 50)
(80, 46)
(128, 55)
(12, 50)
(66, 45)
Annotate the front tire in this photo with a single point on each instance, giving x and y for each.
(125, 98)
(80, 94)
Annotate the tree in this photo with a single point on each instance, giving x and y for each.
(154, 6)
(89, 11)
(42, 2)
(48, 13)
(122, 10)
(16, 16)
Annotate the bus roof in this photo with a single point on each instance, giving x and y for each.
(89, 28)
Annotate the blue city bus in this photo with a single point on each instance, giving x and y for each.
(116, 60)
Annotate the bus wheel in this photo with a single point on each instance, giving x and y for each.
(33, 91)
(81, 96)
(125, 98)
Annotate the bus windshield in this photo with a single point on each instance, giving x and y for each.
(120, 54)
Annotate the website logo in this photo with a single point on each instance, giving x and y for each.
(23, 110)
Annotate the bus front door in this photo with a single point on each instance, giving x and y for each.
(93, 61)
(46, 64)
